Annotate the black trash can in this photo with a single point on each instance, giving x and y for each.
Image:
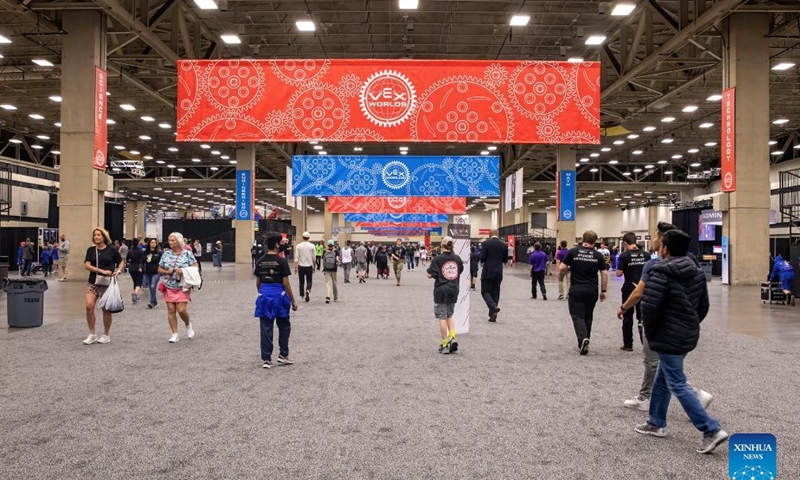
(4, 267)
(25, 301)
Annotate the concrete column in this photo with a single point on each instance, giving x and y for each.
(652, 219)
(565, 160)
(141, 215)
(130, 219)
(299, 219)
(81, 194)
(328, 222)
(746, 224)
(245, 230)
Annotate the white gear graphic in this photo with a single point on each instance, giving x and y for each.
(349, 85)
(299, 72)
(390, 120)
(530, 92)
(576, 137)
(187, 107)
(584, 99)
(395, 175)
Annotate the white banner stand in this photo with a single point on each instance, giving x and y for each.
(461, 247)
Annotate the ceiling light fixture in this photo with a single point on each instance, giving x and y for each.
(165, 125)
(668, 119)
(15, 140)
(706, 125)
(637, 152)
(623, 9)
(695, 164)
(173, 149)
(619, 142)
(206, 4)
(231, 38)
(134, 152)
(56, 98)
(492, 148)
(483, 152)
(773, 142)
(676, 157)
(6, 106)
(613, 162)
(693, 150)
(595, 40)
(711, 144)
(42, 62)
(196, 160)
(690, 108)
(633, 136)
(780, 121)
(408, 4)
(519, 20)
(637, 170)
(662, 162)
(55, 152)
(42, 137)
(148, 118)
(214, 152)
(119, 147)
(205, 146)
(144, 137)
(584, 160)
(57, 124)
(649, 167)
(318, 147)
(37, 147)
(594, 170)
(4, 39)
(668, 172)
(594, 155)
(776, 152)
(714, 98)
(649, 129)
(36, 116)
(605, 149)
(575, 59)
(128, 107)
(783, 66)
(110, 121)
(668, 140)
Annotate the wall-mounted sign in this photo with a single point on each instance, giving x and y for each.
(100, 116)
(390, 176)
(369, 100)
(728, 146)
(565, 195)
(244, 201)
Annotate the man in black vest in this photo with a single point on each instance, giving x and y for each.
(494, 254)
(584, 263)
(630, 264)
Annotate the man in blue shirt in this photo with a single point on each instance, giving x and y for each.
(538, 262)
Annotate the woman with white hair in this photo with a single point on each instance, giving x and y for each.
(173, 261)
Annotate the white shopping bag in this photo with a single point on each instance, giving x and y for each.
(112, 299)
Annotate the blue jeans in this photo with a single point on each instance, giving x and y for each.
(670, 380)
(284, 329)
(151, 282)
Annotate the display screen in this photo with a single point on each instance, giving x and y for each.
(707, 233)
(717, 248)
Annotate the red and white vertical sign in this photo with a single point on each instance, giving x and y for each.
(728, 147)
(100, 117)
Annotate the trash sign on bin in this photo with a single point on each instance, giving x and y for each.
(25, 301)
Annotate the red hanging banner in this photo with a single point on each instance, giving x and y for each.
(398, 205)
(728, 147)
(100, 117)
(389, 100)
(368, 225)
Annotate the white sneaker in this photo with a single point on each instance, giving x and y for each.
(637, 403)
(704, 397)
(104, 339)
(189, 331)
(92, 338)
(174, 338)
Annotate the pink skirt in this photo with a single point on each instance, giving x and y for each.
(177, 295)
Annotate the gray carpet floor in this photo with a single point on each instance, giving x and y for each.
(369, 397)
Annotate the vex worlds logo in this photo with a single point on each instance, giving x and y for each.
(753, 456)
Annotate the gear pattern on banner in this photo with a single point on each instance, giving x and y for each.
(234, 84)
(431, 179)
(230, 126)
(318, 168)
(387, 98)
(277, 121)
(349, 85)
(495, 75)
(539, 92)
(359, 135)
(548, 130)
(318, 112)
(299, 73)
(585, 92)
(190, 88)
(576, 138)
(352, 161)
(376, 204)
(450, 110)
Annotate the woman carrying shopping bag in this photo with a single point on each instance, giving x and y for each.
(173, 261)
(103, 263)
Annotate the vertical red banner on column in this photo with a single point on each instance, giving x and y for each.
(100, 117)
(728, 147)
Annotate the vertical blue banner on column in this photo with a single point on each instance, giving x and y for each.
(244, 195)
(566, 195)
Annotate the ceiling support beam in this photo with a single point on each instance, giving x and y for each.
(114, 70)
(124, 18)
(719, 10)
(627, 63)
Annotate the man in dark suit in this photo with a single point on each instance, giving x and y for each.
(494, 254)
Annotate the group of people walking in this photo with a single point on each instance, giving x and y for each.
(173, 271)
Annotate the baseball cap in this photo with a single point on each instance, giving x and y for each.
(447, 243)
(330, 243)
(306, 235)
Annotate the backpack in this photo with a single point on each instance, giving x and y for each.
(328, 260)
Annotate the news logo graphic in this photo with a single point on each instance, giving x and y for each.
(753, 456)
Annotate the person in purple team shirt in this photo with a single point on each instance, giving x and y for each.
(538, 262)
(560, 254)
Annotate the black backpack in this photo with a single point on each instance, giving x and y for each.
(329, 260)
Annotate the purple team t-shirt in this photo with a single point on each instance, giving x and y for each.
(538, 260)
(561, 254)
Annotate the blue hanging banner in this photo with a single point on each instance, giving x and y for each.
(390, 176)
(566, 195)
(398, 218)
(244, 194)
